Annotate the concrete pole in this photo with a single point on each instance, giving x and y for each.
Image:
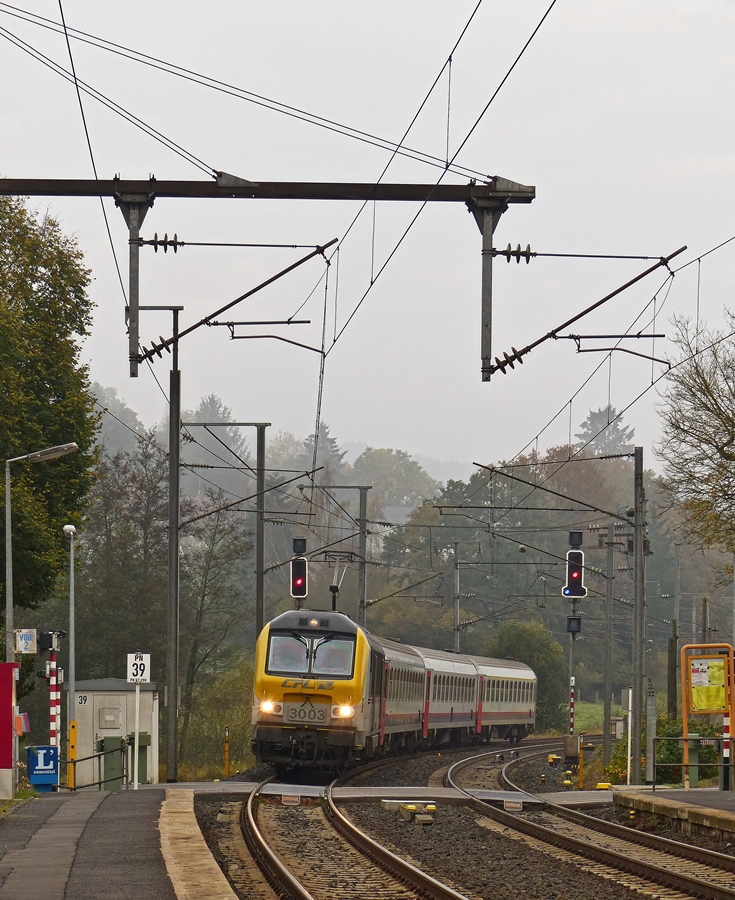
(456, 598)
(260, 531)
(172, 661)
(9, 654)
(650, 730)
(705, 620)
(639, 618)
(362, 563)
(606, 740)
(694, 620)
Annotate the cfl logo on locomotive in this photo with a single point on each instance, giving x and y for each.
(309, 683)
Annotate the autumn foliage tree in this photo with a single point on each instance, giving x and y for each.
(698, 446)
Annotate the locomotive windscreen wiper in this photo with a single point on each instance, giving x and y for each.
(317, 644)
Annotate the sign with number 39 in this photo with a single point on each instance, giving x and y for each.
(139, 668)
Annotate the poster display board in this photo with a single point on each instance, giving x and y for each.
(707, 676)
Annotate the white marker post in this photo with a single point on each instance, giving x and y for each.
(139, 672)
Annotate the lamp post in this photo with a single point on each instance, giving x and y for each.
(70, 531)
(37, 456)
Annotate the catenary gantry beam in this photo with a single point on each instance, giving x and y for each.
(487, 201)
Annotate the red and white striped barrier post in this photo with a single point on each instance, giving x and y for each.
(726, 752)
(53, 701)
(571, 705)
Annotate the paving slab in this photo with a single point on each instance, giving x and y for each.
(39, 869)
(119, 854)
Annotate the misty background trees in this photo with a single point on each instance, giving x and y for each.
(510, 542)
(503, 529)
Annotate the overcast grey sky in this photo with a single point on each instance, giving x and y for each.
(620, 113)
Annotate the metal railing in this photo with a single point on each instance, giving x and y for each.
(718, 763)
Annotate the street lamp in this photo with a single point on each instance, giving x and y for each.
(37, 456)
(71, 778)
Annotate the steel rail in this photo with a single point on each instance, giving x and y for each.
(397, 867)
(612, 858)
(651, 841)
(267, 859)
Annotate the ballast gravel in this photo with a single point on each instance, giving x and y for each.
(479, 861)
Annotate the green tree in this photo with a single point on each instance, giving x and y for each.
(533, 644)
(119, 425)
(44, 313)
(603, 432)
(396, 478)
(213, 598)
(122, 571)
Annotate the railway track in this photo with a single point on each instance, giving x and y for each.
(641, 861)
(313, 852)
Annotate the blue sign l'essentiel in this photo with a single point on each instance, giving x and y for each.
(43, 766)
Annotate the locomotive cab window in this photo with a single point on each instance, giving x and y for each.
(322, 655)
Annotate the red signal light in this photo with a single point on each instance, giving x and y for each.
(299, 577)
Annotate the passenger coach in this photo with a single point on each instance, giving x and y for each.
(328, 693)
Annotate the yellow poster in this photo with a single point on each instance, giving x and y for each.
(708, 684)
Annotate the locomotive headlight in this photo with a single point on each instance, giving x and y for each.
(343, 712)
(269, 707)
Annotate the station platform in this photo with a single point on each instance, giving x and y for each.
(97, 845)
(699, 810)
